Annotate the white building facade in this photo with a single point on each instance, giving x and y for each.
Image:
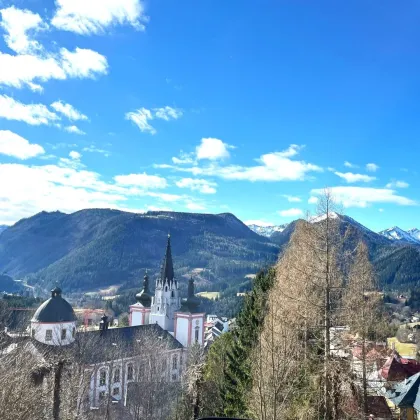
(166, 308)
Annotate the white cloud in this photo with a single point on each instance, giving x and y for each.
(95, 16)
(313, 200)
(275, 166)
(94, 149)
(372, 167)
(381, 210)
(11, 144)
(351, 177)
(75, 155)
(83, 63)
(397, 184)
(195, 206)
(166, 197)
(17, 24)
(350, 165)
(141, 180)
(291, 212)
(194, 184)
(292, 198)
(167, 113)
(68, 110)
(34, 114)
(365, 196)
(184, 158)
(68, 187)
(75, 130)
(29, 70)
(212, 149)
(141, 118)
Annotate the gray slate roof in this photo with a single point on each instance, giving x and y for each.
(55, 309)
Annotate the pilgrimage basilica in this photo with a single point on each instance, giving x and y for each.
(115, 358)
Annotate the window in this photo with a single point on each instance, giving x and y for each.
(102, 377)
(174, 377)
(116, 375)
(63, 334)
(74, 332)
(164, 365)
(142, 369)
(33, 332)
(197, 331)
(48, 335)
(175, 361)
(116, 391)
(130, 373)
(102, 395)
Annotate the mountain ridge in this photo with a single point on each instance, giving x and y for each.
(395, 233)
(96, 248)
(100, 247)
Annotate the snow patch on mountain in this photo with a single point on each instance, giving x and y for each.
(265, 229)
(415, 233)
(397, 234)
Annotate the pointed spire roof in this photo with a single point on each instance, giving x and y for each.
(167, 270)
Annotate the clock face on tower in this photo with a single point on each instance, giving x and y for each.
(197, 322)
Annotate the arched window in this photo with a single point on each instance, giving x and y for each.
(175, 361)
(117, 375)
(130, 372)
(102, 377)
(166, 288)
(74, 332)
(197, 332)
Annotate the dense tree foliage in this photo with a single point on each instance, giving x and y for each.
(231, 353)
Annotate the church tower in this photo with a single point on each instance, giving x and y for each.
(166, 301)
(189, 323)
(140, 311)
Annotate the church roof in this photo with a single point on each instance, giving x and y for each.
(144, 297)
(55, 309)
(167, 269)
(114, 343)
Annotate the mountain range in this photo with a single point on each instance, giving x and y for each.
(396, 234)
(96, 248)
(411, 236)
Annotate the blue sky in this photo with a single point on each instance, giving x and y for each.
(210, 106)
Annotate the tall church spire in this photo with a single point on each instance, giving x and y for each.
(167, 270)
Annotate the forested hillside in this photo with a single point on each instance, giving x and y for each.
(397, 265)
(96, 248)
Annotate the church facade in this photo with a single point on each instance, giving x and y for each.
(166, 309)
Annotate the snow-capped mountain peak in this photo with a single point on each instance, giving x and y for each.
(415, 233)
(397, 234)
(265, 229)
